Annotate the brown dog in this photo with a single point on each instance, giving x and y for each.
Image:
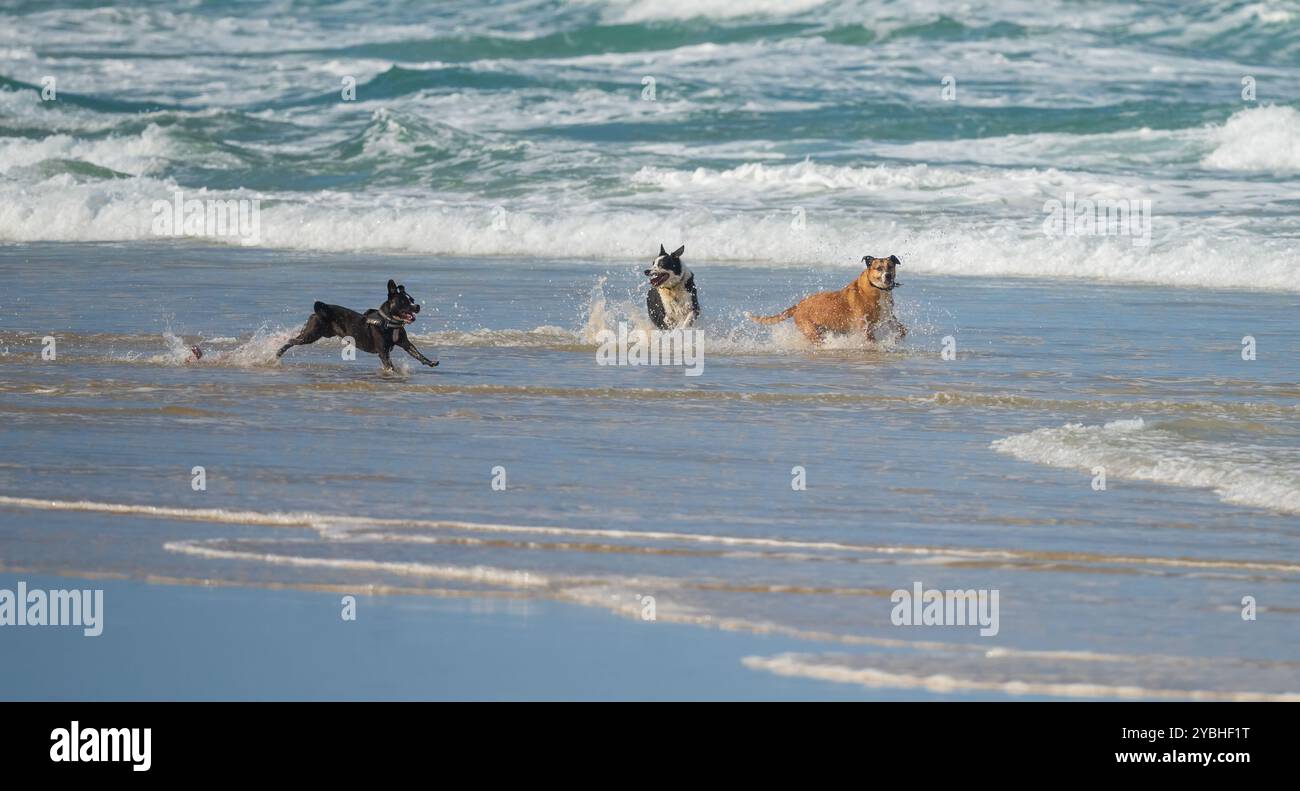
(866, 304)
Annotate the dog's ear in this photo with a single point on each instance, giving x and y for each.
(392, 287)
(678, 252)
(893, 259)
(662, 251)
(866, 260)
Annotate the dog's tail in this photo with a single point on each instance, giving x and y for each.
(778, 318)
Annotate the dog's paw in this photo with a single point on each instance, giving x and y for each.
(432, 363)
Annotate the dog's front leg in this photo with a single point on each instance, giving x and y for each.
(877, 331)
(406, 344)
(890, 326)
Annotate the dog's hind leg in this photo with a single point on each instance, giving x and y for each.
(811, 330)
(312, 331)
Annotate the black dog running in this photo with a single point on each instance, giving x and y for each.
(375, 331)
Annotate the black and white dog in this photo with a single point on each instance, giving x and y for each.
(375, 331)
(672, 301)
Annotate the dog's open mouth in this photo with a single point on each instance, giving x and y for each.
(658, 279)
(407, 317)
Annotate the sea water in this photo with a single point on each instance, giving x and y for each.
(1100, 426)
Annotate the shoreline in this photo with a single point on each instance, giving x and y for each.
(168, 641)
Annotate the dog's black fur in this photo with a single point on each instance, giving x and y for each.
(375, 331)
(667, 275)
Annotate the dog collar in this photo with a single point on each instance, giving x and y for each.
(387, 321)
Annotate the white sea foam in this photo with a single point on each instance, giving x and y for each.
(258, 350)
(734, 334)
(133, 155)
(63, 210)
(740, 213)
(343, 525)
(806, 175)
(1258, 139)
(648, 10)
(477, 574)
(834, 668)
(1240, 474)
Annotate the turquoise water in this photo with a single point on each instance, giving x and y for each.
(530, 129)
(509, 163)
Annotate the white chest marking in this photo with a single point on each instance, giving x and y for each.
(677, 305)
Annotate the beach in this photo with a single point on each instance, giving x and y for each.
(1084, 451)
(626, 482)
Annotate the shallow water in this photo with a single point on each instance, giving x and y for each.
(973, 473)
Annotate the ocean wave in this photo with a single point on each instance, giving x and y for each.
(133, 155)
(341, 526)
(397, 139)
(1144, 677)
(1252, 32)
(474, 574)
(760, 124)
(806, 175)
(398, 81)
(1257, 139)
(1239, 474)
(61, 209)
(392, 148)
(627, 11)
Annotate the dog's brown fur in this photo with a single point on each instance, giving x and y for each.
(865, 305)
